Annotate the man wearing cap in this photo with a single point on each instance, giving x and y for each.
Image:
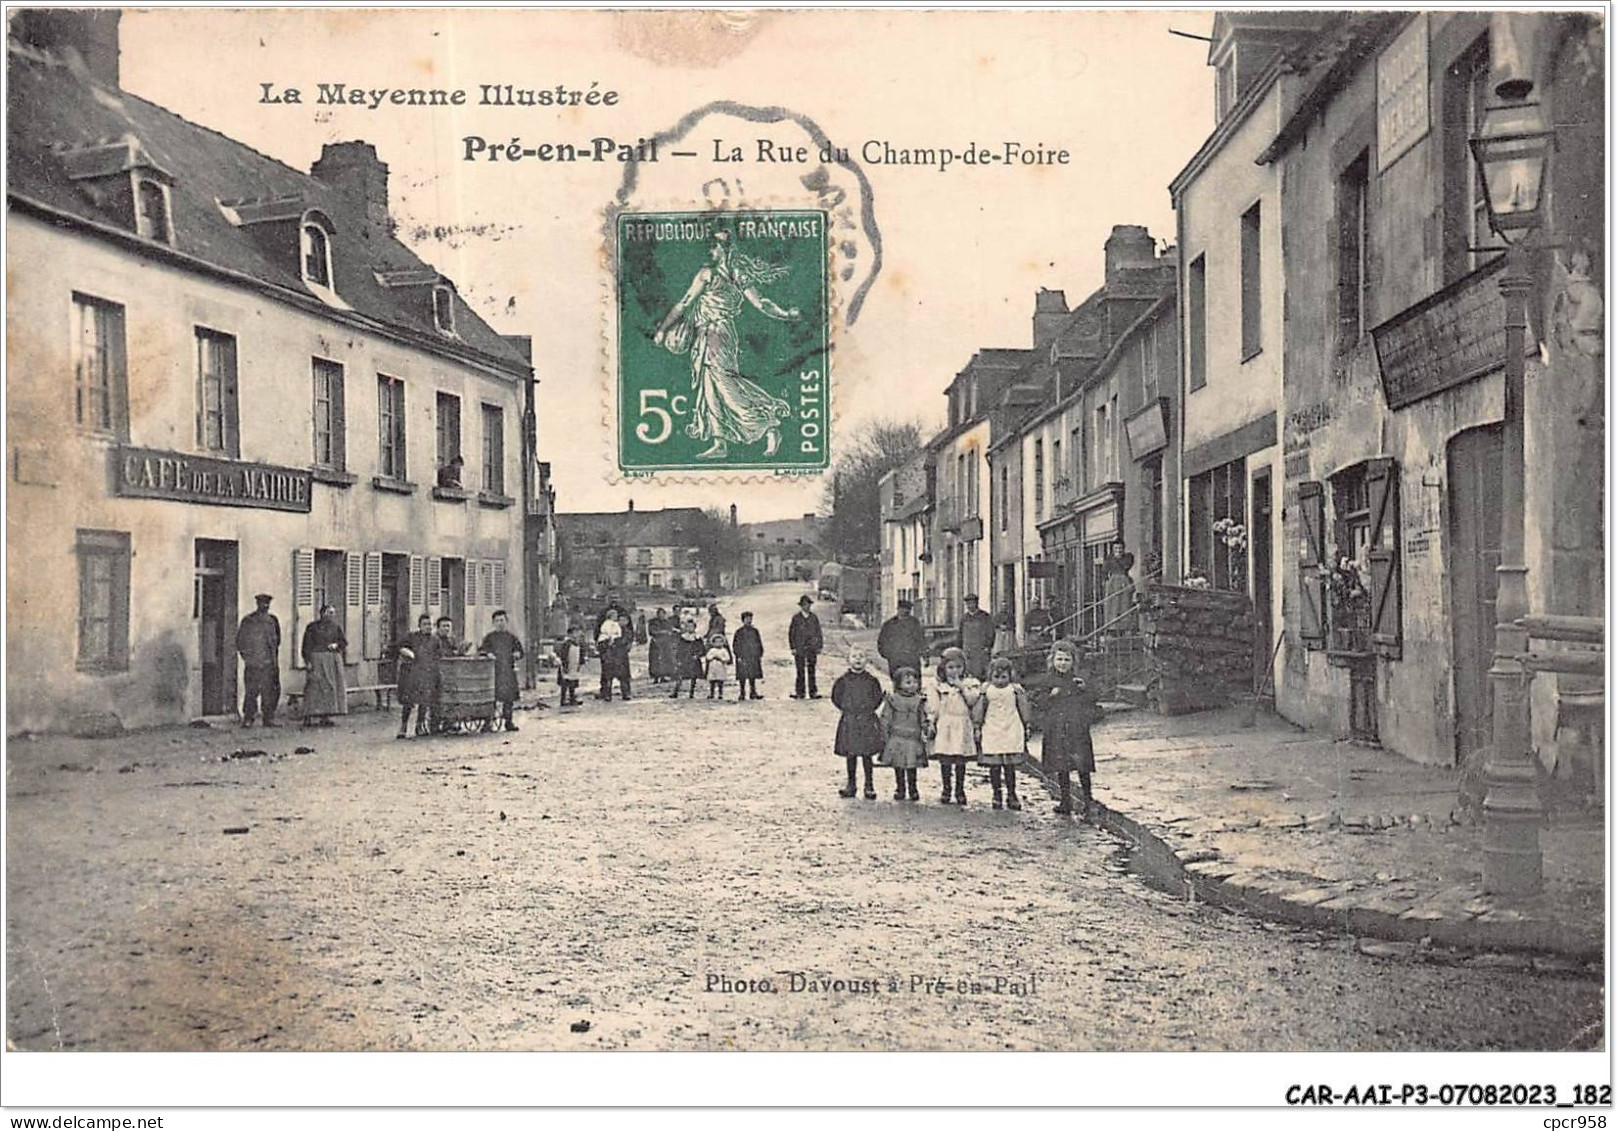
(976, 637)
(902, 641)
(807, 642)
(258, 641)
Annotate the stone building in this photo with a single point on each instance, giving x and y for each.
(1235, 313)
(908, 570)
(226, 377)
(959, 457)
(1393, 374)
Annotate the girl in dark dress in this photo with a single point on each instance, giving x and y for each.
(1068, 709)
(748, 649)
(692, 657)
(859, 738)
(418, 675)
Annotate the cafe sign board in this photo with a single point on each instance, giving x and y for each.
(143, 473)
(1446, 340)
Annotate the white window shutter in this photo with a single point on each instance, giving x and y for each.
(497, 583)
(418, 585)
(471, 582)
(303, 612)
(372, 644)
(435, 581)
(355, 578)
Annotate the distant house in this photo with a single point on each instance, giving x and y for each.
(783, 549)
(631, 549)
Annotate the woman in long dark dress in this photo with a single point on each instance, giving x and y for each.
(325, 688)
(663, 660)
(418, 676)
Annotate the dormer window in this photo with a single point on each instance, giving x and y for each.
(315, 247)
(153, 218)
(443, 309)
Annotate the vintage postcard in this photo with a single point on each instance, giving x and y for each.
(827, 530)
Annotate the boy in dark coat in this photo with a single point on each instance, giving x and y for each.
(748, 649)
(418, 676)
(859, 736)
(506, 650)
(807, 642)
(1068, 709)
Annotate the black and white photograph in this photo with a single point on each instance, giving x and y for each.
(822, 530)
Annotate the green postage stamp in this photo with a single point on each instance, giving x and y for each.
(723, 341)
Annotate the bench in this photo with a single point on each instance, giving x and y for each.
(382, 691)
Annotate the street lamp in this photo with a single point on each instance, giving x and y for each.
(1512, 152)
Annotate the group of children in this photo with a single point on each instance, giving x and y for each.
(960, 719)
(695, 658)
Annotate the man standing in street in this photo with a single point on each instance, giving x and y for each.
(258, 641)
(976, 638)
(902, 640)
(807, 642)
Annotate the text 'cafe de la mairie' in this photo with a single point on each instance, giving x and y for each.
(227, 377)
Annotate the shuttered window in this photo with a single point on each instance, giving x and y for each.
(330, 428)
(303, 598)
(217, 420)
(435, 581)
(103, 600)
(1311, 563)
(1386, 579)
(496, 583)
(418, 582)
(471, 582)
(100, 369)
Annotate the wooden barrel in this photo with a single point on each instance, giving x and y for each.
(467, 681)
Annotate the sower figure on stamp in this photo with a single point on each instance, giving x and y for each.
(258, 641)
(726, 407)
(807, 641)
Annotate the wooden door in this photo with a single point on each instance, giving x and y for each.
(1258, 540)
(216, 624)
(1476, 461)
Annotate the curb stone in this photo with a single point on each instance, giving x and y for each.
(1506, 939)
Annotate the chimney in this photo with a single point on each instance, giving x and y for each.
(631, 506)
(732, 514)
(352, 168)
(1049, 315)
(84, 37)
(1129, 247)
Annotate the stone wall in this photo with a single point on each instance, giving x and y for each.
(1200, 643)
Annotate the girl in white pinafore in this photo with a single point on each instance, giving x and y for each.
(958, 705)
(1003, 738)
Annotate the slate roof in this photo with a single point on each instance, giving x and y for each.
(55, 109)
